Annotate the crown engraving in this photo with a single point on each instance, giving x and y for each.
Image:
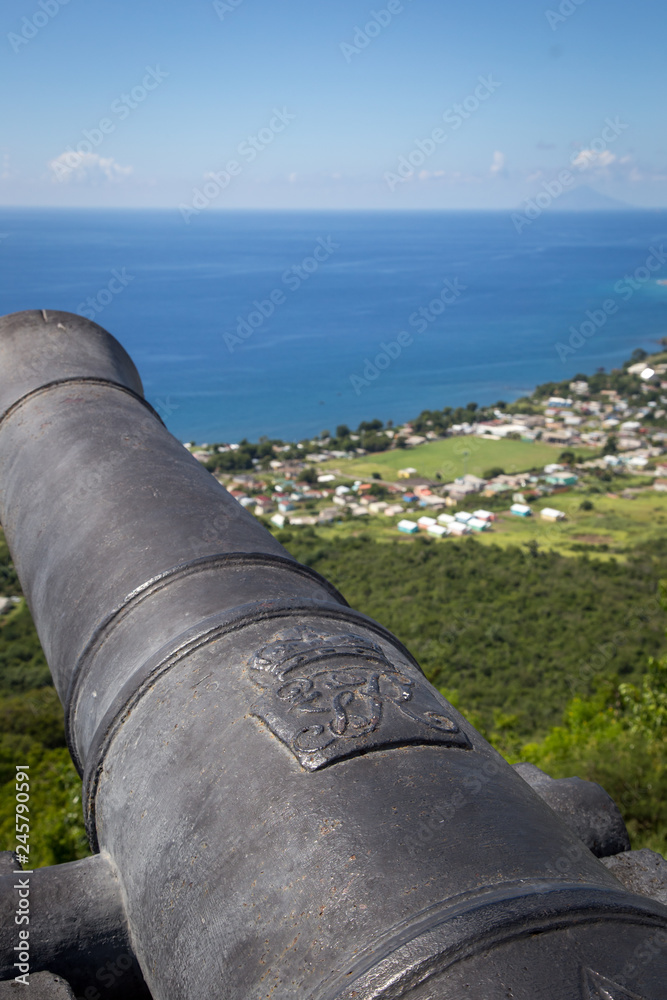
(328, 696)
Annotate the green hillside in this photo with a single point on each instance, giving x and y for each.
(518, 637)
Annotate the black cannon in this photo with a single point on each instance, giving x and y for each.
(258, 759)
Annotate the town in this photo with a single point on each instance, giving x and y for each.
(563, 454)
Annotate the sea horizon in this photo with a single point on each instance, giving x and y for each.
(285, 323)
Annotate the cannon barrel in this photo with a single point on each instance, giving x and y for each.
(289, 808)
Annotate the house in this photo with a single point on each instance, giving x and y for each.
(628, 443)
(432, 501)
(407, 527)
(557, 402)
(458, 528)
(406, 473)
(660, 485)
(470, 483)
(463, 516)
(278, 520)
(493, 488)
(506, 429)
(328, 515)
(551, 514)
(484, 515)
(476, 524)
(377, 506)
(520, 510)
(438, 530)
(556, 436)
(446, 519)
(563, 479)
(424, 523)
(393, 509)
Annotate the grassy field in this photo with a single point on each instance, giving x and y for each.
(452, 457)
(609, 530)
(613, 526)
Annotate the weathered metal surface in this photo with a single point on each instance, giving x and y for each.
(77, 929)
(41, 986)
(291, 808)
(586, 808)
(644, 872)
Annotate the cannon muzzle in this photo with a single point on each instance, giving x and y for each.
(283, 805)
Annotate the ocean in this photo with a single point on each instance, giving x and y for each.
(288, 323)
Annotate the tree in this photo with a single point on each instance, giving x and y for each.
(619, 739)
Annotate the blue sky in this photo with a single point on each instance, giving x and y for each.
(318, 103)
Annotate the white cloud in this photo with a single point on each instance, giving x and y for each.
(90, 168)
(587, 159)
(498, 162)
